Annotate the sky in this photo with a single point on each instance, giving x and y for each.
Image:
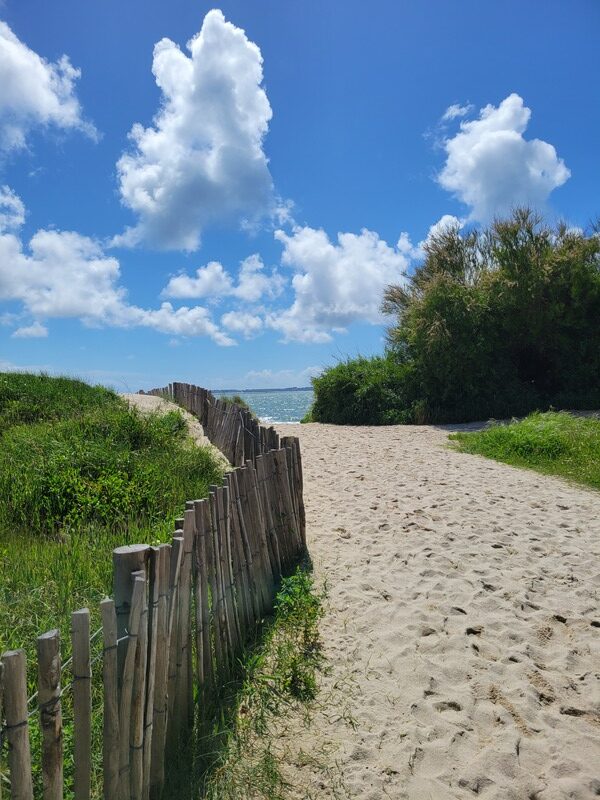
(220, 195)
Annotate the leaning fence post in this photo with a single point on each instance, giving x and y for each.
(17, 728)
(110, 745)
(126, 560)
(48, 652)
(82, 702)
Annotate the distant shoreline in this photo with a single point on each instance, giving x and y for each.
(251, 391)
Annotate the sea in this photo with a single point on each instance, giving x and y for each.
(275, 405)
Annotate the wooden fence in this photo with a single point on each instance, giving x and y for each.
(180, 617)
(231, 428)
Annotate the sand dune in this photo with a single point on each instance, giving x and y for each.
(463, 629)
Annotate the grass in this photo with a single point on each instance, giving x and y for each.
(280, 679)
(555, 443)
(80, 474)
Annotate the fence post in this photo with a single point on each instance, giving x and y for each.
(137, 599)
(159, 727)
(48, 651)
(82, 702)
(17, 728)
(126, 560)
(110, 735)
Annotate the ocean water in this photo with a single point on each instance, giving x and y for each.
(289, 405)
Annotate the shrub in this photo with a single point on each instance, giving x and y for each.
(362, 391)
(501, 321)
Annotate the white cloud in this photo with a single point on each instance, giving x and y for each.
(202, 160)
(455, 111)
(242, 322)
(12, 210)
(209, 281)
(444, 223)
(34, 331)
(214, 281)
(491, 167)
(64, 274)
(34, 91)
(336, 284)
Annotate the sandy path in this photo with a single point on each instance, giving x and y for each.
(463, 630)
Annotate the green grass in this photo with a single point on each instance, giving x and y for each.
(555, 443)
(280, 680)
(80, 474)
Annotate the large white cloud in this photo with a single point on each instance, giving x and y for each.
(63, 274)
(336, 284)
(492, 168)
(212, 280)
(34, 91)
(202, 160)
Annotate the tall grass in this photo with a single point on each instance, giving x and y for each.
(80, 474)
(555, 443)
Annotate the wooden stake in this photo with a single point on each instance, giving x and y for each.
(82, 703)
(48, 651)
(110, 734)
(17, 727)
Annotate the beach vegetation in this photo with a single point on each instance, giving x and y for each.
(495, 322)
(555, 443)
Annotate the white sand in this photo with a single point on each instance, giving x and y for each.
(463, 623)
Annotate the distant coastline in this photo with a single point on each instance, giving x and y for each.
(248, 391)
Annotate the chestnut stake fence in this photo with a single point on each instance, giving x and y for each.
(179, 620)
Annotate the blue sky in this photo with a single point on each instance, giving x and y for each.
(229, 213)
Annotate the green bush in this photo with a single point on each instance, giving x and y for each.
(361, 391)
(501, 321)
(494, 323)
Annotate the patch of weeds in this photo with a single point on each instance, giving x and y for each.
(281, 679)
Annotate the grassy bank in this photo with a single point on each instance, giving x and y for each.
(280, 680)
(553, 443)
(80, 473)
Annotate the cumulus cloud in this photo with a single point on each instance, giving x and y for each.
(64, 274)
(12, 210)
(34, 91)
(491, 167)
(214, 281)
(202, 160)
(336, 284)
(242, 322)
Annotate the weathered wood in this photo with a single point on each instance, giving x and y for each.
(159, 716)
(48, 653)
(153, 601)
(174, 627)
(137, 600)
(271, 532)
(203, 644)
(110, 733)
(17, 727)
(184, 688)
(126, 561)
(82, 703)
(224, 623)
(227, 566)
(138, 696)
